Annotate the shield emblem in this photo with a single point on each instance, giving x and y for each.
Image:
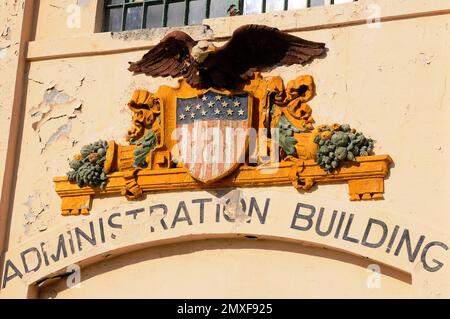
(212, 133)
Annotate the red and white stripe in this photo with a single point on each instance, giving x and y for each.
(210, 149)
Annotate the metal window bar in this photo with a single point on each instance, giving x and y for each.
(146, 4)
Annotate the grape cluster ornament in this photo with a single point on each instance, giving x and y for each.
(88, 166)
(339, 143)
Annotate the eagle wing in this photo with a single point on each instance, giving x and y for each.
(170, 57)
(257, 47)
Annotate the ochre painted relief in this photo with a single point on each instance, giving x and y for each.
(224, 125)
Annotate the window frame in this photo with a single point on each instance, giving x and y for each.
(286, 5)
(145, 4)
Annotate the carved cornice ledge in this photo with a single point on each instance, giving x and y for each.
(365, 179)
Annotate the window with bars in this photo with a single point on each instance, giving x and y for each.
(123, 15)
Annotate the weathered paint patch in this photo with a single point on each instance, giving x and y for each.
(52, 118)
(196, 32)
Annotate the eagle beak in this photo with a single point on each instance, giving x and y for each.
(212, 48)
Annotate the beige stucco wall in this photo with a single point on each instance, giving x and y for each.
(221, 268)
(389, 80)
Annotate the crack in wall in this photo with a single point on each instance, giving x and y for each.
(232, 206)
(197, 32)
(52, 118)
(35, 209)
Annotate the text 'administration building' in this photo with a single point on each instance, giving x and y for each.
(235, 161)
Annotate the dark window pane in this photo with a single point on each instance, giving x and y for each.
(315, 3)
(115, 1)
(252, 6)
(274, 5)
(114, 20)
(342, 1)
(218, 8)
(133, 18)
(175, 14)
(154, 16)
(297, 4)
(197, 11)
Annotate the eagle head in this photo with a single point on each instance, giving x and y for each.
(202, 50)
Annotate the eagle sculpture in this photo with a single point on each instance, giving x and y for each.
(251, 48)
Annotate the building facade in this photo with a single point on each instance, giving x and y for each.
(64, 84)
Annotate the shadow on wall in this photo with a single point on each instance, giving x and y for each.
(174, 271)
